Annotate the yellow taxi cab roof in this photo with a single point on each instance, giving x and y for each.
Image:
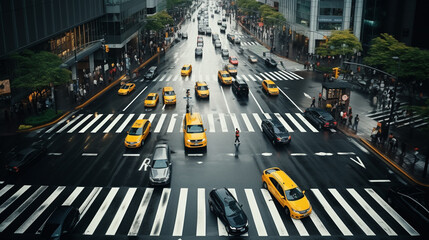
(201, 83)
(269, 81)
(230, 66)
(283, 178)
(193, 119)
(139, 123)
(129, 84)
(223, 72)
(168, 89)
(151, 94)
(186, 65)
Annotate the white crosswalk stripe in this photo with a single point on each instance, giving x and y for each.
(281, 229)
(259, 224)
(247, 122)
(266, 76)
(160, 122)
(113, 123)
(160, 213)
(114, 225)
(273, 77)
(80, 123)
(107, 118)
(141, 211)
(259, 78)
(172, 123)
(299, 115)
(251, 77)
(162, 78)
(125, 123)
(234, 121)
(180, 215)
(245, 78)
(68, 124)
(258, 120)
(84, 207)
(97, 116)
(280, 118)
(279, 76)
(201, 212)
(14, 197)
(292, 119)
(59, 123)
(319, 225)
(101, 211)
(223, 122)
(285, 75)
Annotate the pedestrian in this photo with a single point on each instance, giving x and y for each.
(356, 122)
(320, 99)
(95, 82)
(237, 136)
(344, 117)
(101, 79)
(313, 101)
(403, 148)
(350, 120)
(416, 153)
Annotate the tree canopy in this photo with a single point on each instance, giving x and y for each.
(249, 7)
(269, 15)
(159, 21)
(36, 71)
(341, 42)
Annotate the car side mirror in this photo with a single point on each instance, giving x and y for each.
(205, 129)
(303, 191)
(170, 164)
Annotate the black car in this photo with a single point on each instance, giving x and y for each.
(62, 221)
(184, 35)
(160, 168)
(198, 52)
(321, 118)
(240, 87)
(275, 131)
(201, 30)
(412, 204)
(208, 31)
(269, 62)
(151, 73)
(222, 29)
(223, 204)
(16, 160)
(230, 37)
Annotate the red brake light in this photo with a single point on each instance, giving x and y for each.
(326, 124)
(335, 123)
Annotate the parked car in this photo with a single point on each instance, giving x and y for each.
(321, 118)
(275, 131)
(160, 167)
(151, 73)
(224, 205)
(61, 222)
(18, 159)
(240, 87)
(269, 62)
(208, 31)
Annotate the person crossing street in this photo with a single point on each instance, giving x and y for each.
(237, 136)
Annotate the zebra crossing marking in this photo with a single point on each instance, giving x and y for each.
(257, 218)
(292, 119)
(97, 116)
(285, 75)
(14, 197)
(265, 76)
(112, 124)
(172, 123)
(125, 123)
(162, 78)
(313, 129)
(141, 211)
(141, 116)
(223, 122)
(5, 189)
(160, 213)
(84, 207)
(160, 123)
(211, 122)
(273, 76)
(95, 130)
(201, 212)
(247, 122)
(299, 225)
(120, 213)
(319, 225)
(180, 215)
(79, 123)
(58, 123)
(101, 211)
(258, 120)
(260, 79)
(70, 199)
(277, 219)
(284, 123)
(69, 123)
(234, 121)
(251, 77)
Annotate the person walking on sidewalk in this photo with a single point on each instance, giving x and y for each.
(237, 136)
(319, 103)
(313, 101)
(349, 124)
(356, 122)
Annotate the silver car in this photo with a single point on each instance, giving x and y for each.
(218, 44)
(160, 167)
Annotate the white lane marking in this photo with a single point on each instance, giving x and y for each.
(68, 124)
(180, 215)
(101, 211)
(379, 180)
(211, 122)
(54, 154)
(346, 153)
(298, 154)
(131, 155)
(283, 122)
(307, 96)
(332, 214)
(21, 208)
(371, 212)
(144, 164)
(323, 154)
(258, 120)
(71, 130)
(124, 124)
(141, 116)
(182, 123)
(114, 225)
(90, 154)
(160, 123)
(224, 98)
(138, 218)
(59, 123)
(257, 218)
(319, 225)
(95, 130)
(223, 122)
(266, 154)
(160, 213)
(290, 100)
(358, 161)
(14, 197)
(112, 124)
(247, 122)
(267, 115)
(70, 199)
(152, 116)
(392, 212)
(284, 75)
(294, 74)
(257, 103)
(300, 227)
(351, 212)
(201, 212)
(88, 202)
(359, 146)
(172, 123)
(251, 77)
(259, 78)
(123, 110)
(195, 155)
(36, 214)
(245, 78)
(97, 116)
(277, 219)
(234, 121)
(295, 122)
(313, 129)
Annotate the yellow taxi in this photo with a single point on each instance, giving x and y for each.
(126, 88)
(151, 100)
(168, 96)
(186, 70)
(137, 133)
(287, 193)
(201, 89)
(231, 69)
(224, 77)
(270, 87)
(194, 132)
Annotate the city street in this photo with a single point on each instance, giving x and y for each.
(88, 166)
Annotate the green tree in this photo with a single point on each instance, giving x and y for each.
(341, 42)
(158, 21)
(249, 7)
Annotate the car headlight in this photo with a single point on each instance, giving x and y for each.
(188, 140)
(202, 140)
(232, 228)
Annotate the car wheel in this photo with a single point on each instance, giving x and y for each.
(287, 211)
(264, 185)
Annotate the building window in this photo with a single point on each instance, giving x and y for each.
(325, 11)
(337, 12)
(330, 25)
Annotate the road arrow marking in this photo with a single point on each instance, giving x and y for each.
(358, 161)
(266, 154)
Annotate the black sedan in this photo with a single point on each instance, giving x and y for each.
(198, 52)
(412, 204)
(269, 62)
(16, 160)
(275, 131)
(321, 118)
(223, 204)
(62, 221)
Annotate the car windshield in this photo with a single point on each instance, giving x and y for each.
(125, 86)
(169, 93)
(159, 164)
(225, 50)
(225, 75)
(326, 116)
(294, 194)
(232, 208)
(233, 59)
(232, 68)
(195, 129)
(150, 98)
(279, 129)
(252, 57)
(202, 88)
(185, 68)
(272, 86)
(136, 131)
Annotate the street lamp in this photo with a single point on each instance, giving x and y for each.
(392, 107)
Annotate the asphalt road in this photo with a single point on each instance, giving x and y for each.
(88, 166)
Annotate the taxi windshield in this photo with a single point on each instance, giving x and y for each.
(195, 129)
(135, 131)
(125, 86)
(294, 194)
(185, 68)
(272, 86)
(225, 75)
(202, 88)
(232, 67)
(169, 93)
(150, 98)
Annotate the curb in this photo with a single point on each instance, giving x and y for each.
(44, 125)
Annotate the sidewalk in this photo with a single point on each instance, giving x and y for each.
(406, 163)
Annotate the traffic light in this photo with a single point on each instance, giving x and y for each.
(106, 47)
(336, 72)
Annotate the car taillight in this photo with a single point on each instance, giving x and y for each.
(327, 124)
(238, 88)
(289, 137)
(16, 169)
(335, 123)
(278, 139)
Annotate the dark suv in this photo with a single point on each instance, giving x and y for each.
(240, 87)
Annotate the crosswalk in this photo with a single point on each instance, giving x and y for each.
(280, 75)
(172, 122)
(254, 43)
(134, 211)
